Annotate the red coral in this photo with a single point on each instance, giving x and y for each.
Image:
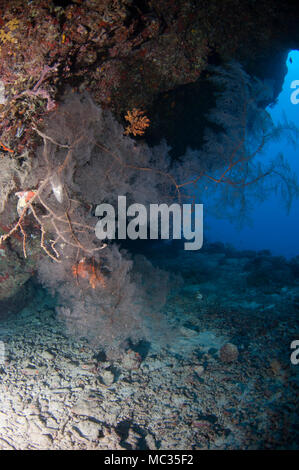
(4, 278)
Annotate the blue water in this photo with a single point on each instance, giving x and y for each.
(271, 227)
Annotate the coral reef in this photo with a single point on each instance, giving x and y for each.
(116, 50)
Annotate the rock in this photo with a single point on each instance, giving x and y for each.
(228, 353)
(107, 377)
(88, 429)
(150, 441)
(187, 332)
(131, 360)
(47, 355)
(199, 370)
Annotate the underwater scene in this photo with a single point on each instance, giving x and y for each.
(149, 227)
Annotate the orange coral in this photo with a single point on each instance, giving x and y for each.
(89, 271)
(138, 122)
(6, 148)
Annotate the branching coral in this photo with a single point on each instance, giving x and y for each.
(137, 122)
(57, 220)
(6, 32)
(38, 91)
